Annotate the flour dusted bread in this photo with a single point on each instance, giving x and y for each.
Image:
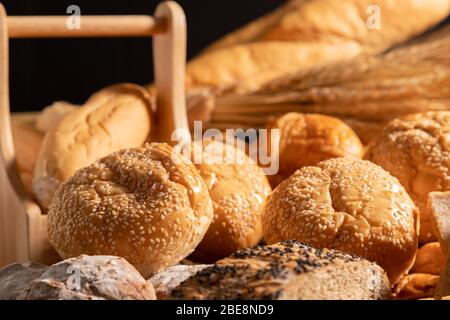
(416, 150)
(303, 34)
(114, 118)
(287, 270)
(148, 205)
(350, 205)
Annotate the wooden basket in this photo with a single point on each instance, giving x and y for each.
(23, 230)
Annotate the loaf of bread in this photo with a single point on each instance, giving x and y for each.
(114, 118)
(336, 20)
(302, 34)
(288, 270)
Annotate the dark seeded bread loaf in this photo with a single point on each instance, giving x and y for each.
(287, 270)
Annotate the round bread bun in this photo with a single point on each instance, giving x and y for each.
(416, 150)
(238, 188)
(307, 139)
(148, 205)
(346, 204)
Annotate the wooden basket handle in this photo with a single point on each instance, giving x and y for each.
(168, 26)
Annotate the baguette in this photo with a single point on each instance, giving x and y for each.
(305, 33)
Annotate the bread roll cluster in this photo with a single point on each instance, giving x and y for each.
(154, 207)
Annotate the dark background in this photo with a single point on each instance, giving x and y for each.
(43, 71)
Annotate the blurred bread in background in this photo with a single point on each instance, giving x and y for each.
(114, 118)
(51, 115)
(307, 139)
(415, 149)
(27, 144)
(302, 34)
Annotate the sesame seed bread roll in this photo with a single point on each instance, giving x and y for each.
(416, 150)
(114, 118)
(238, 188)
(307, 139)
(148, 205)
(288, 270)
(350, 205)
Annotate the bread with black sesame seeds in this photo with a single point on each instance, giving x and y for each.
(288, 270)
(416, 150)
(114, 118)
(238, 189)
(350, 205)
(148, 205)
(307, 139)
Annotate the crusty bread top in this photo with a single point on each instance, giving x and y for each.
(238, 189)
(350, 205)
(307, 139)
(244, 68)
(114, 118)
(303, 34)
(148, 205)
(416, 150)
(262, 272)
(333, 20)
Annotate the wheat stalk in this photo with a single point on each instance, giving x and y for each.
(365, 92)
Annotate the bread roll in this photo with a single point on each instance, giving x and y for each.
(416, 286)
(27, 144)
(287, 271)
(148, 205)
(350, 205)
(238, 188)
(429, 259)
(112, 119)
(307, 139)
(415, 149)
(53, 114)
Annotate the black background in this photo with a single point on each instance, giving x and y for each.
(43, 71)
